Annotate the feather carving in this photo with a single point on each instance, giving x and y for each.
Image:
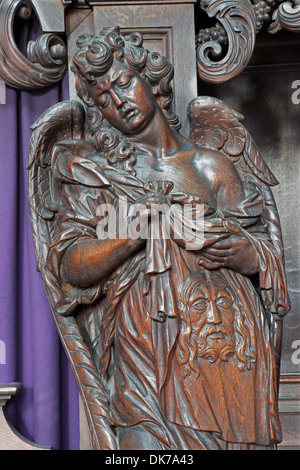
(62, 121)
(65, 122)
(215, 125)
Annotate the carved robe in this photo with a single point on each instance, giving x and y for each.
(132, 325)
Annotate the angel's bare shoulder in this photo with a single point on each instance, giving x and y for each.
(221, 175)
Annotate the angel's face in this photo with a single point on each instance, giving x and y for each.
(124, 99)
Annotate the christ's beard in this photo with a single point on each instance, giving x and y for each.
(218, 349)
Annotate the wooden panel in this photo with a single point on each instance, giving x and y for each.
(289, 409)
(77, 22)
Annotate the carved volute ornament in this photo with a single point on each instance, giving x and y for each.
(238, 21)
(46, 62)
(162, 257)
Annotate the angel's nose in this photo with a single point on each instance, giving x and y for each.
(117, 98)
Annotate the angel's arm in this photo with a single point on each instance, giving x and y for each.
(89, 261)
(235, 252)
(221, 176)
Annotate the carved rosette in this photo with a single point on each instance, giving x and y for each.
(46, 62)
(237, 19)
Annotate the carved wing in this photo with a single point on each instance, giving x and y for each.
(215, 125)
(60, 122)
(64, 121)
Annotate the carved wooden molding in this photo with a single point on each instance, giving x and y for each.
(46, 64)
(10, 438)
(51, 14)
(223, 51)
(289, 408)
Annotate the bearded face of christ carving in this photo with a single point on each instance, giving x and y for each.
(212, 326)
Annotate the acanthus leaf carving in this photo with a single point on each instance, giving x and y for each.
(237, 19)
(46, 64)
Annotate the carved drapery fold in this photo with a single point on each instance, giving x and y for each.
(238, 20)
(46, 64)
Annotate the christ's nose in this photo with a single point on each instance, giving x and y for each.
(213, 314)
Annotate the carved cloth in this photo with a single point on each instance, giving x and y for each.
(137, 355)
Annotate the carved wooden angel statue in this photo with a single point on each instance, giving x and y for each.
(172, 327)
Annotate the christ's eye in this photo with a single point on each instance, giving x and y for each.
(200, 305)
(224, 302)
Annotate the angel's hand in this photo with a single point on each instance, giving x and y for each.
(194, 237)
(234, 252)
(215, 230)
(150, 204)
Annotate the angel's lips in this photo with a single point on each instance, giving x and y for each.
(129, 113)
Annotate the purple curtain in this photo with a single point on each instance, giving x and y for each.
(46, 409)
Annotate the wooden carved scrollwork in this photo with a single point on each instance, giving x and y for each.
(287, 17)
(238, 20)
(224, 50)
(46, 62)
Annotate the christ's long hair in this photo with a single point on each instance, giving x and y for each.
(240, 345)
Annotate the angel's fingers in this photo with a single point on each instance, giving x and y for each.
(226, 243)
(205, 263)
(215, 259)
(219, 252)
(213, 239)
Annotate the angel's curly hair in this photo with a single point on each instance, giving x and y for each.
(93, 58)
